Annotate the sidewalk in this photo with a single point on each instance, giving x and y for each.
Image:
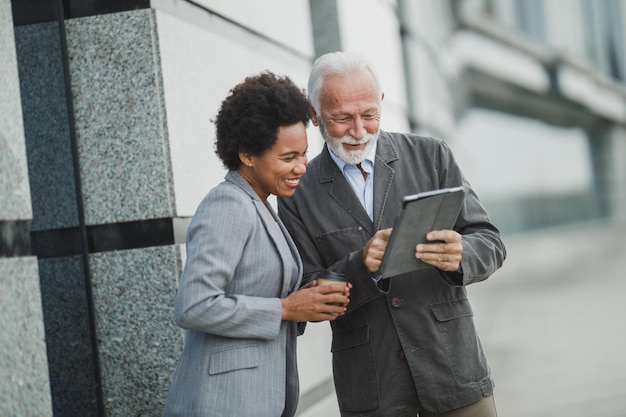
(551, 322)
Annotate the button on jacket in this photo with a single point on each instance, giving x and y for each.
(423, 318)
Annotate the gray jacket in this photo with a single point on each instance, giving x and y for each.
(429, 308)
(239, 357)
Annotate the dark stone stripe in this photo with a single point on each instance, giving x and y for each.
(27, 12)
(14, 239)
(109, 237)
(56, 243)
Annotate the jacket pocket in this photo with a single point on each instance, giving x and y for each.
(234, 358)
(452, 309)
(338, 243)
(455, 324)
(354, 370)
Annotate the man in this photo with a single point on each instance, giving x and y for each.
(406, 344)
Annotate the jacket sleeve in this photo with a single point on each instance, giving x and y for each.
(216, 243)
(483, 249)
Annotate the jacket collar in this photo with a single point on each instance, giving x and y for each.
(340, 191)
(276, 230)
(235, 177)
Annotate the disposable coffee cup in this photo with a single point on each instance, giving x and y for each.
(327, 277)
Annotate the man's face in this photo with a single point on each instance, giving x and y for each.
(350, 115)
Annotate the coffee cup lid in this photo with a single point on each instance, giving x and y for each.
(332, 275)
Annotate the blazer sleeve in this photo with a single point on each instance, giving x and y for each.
(216, 243)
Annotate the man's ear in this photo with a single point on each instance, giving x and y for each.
(313, 116)
(382, 97)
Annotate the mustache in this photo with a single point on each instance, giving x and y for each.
(352, 141)
(349, 140)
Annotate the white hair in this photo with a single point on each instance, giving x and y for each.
(337, 63)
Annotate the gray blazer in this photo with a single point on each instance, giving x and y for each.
(428, 308)
(239, 357)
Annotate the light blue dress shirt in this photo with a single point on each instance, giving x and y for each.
(363, 188)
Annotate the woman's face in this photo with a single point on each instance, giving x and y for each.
(278, 169)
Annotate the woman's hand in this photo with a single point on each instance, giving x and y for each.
(316, 303)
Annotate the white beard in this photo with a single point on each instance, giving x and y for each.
(349, 157)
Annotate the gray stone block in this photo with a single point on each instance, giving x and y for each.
(24, 387)
(120, 117)
(68, 337)
(14, 187)
(46, 127)
(138, 342)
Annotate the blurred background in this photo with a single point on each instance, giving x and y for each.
(106, 148)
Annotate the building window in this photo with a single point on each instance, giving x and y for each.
(529, 18)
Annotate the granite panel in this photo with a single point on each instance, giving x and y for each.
(24, 386)
(14, 187)
(46, 127)
(138, 342)
(120, 117)
(68, 338)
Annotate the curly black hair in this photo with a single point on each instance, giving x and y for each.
(250, 116)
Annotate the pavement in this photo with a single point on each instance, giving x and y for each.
(551, 321)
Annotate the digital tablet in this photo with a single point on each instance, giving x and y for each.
(421, 213)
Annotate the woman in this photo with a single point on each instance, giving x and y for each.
(237, 297)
